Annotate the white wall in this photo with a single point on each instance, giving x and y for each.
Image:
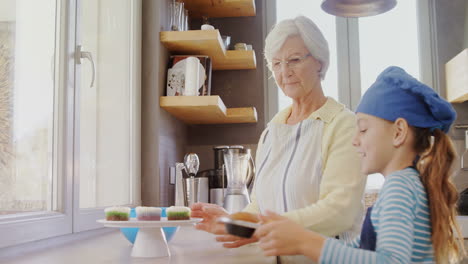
(7, 10)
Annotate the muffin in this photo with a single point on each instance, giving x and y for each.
(117, 213)
(148, 213)
(178, 213)
(244, 216)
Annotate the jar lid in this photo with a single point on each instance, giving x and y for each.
(236, 147)
(221, 147)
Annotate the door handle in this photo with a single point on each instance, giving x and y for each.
(85, 55)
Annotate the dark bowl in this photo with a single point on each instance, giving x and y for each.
(239, 228)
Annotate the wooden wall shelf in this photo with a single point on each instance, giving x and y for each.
(208, 42)
(220, 8)
(206, 110)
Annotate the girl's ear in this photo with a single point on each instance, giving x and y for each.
(400, 134)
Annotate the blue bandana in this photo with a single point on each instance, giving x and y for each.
(397, 94)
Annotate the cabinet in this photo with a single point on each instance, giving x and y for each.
(456, 71)
(210, 109)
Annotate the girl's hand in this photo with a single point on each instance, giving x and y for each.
(235, 241)
(282, 236)
(210, 213)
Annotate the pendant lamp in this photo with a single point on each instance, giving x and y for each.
(357, 8)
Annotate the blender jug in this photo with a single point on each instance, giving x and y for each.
(239, 165)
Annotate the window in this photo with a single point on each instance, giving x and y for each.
(327, 25)
(381, 42)
(27, 90)
(66, 149)
(360, 48)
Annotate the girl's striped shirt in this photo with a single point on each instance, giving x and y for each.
(401, 219)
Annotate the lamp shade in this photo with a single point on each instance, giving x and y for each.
(357, 8)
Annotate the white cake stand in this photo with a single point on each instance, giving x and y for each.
(150, 241)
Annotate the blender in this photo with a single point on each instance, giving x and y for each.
(239, 171)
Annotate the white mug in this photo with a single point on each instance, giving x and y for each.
(207, 27)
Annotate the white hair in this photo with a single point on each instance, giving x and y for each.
(310, 34)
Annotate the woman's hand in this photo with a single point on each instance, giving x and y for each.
(282, 236)
(231, 241)
(210, 213)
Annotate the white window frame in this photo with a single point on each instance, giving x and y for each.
(18, 229)
(21, 228)
(349, 83)
(85, 219)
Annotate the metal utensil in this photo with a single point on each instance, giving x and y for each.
(464, 157)
(192, 164)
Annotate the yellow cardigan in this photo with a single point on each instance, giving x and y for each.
(340, 204)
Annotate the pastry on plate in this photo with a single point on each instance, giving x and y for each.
(178, 213)
(244, 216)
(117, 213)
(145, 213)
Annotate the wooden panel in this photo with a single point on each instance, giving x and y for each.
(220, 8)
(208, 42)
(206, 110)
(236, 60)
(196, 42)
(456, 71)
(241, 115)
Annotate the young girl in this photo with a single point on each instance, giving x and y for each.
(401, 134)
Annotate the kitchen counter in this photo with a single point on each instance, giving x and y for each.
(188, 246)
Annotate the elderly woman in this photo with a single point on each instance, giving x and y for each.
(307, 169)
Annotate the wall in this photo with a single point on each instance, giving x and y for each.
(451, 30)
(163, 137)
(165, 140)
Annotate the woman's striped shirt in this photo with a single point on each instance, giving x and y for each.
(401, 219)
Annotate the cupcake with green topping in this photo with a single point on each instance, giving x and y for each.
(178, 213)
(117, 213)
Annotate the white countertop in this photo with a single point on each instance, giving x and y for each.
(188, 246)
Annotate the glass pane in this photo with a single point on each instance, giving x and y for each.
(27, 55)
(105, 108)
(389, 39)
(291, 8)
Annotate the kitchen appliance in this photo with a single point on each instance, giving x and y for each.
(191, 186)
(239, 171)
(217, 179)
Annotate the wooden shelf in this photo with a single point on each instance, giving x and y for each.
(208, 42)
(220, 8)
(206, 110)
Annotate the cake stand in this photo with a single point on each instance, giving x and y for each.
(150, 241)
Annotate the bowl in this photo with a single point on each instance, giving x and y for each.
(238, 227)
(130, 233)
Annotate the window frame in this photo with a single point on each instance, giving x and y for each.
(18, 229)
(85, 219)
(26, 227)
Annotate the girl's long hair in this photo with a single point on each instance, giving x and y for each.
(437, 156)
